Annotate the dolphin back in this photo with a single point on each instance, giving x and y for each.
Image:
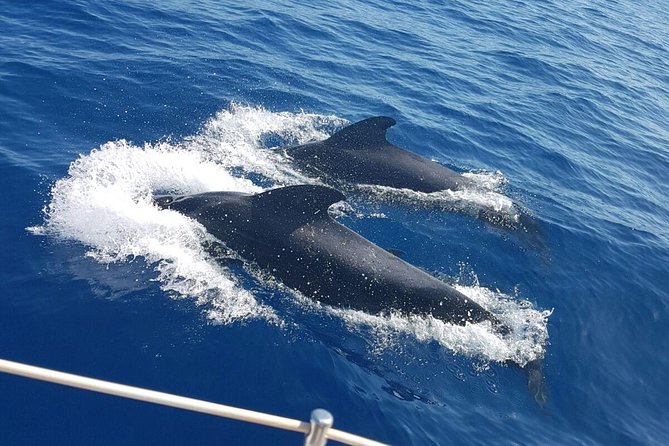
(366, 134)
(238, 218)
(361, 154)
(302, 202)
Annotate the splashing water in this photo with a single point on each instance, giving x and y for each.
(526, 341)
(484, 199)
(105, 202)
(234, 139)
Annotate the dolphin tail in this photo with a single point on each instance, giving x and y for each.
(536, 383)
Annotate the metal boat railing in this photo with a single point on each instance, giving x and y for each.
(317, 432)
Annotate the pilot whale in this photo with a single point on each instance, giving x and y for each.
(288, 233)
(361, 154)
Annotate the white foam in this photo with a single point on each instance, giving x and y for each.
(526, 341)
(105, 202)
(234, 139)
(484, 198)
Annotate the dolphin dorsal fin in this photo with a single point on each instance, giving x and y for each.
(366, 134)
(304, 202)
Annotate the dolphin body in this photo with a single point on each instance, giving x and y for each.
(361, 154)
(288, 233)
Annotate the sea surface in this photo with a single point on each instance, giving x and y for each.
(557, 110)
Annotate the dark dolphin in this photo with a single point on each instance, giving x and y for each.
(288, 233)
(361, 154)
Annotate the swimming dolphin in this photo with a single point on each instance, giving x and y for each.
(288, 233)
(361, 154)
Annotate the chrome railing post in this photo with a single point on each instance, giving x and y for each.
(321, 421)
(317, 431)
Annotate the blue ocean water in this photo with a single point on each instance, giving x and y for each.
(558, 108)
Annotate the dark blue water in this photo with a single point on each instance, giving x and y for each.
(560, 109)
